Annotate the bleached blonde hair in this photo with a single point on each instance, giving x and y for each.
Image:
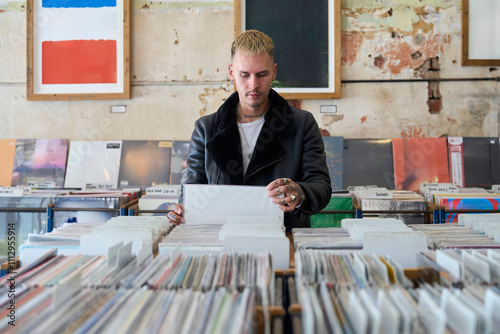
(253, 43)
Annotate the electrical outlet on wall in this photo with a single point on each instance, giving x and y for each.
(330, 109)
(118, 109)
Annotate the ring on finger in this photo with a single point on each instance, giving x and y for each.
(286, 181)
(293, 198)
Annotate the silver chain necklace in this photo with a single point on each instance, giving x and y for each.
(243, 130)
(246, 141)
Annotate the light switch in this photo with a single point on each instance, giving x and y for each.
(118, 109)
(331, 109)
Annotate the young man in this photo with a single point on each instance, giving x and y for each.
(257, 138)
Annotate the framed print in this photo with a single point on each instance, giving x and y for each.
(480, 33)
(306, 36)
(78, 49)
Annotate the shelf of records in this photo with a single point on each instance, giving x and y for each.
(405, 163)
(40, 211)
(59, 163)
(394, 163)
(434, 203)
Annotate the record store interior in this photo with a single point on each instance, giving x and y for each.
(367, 200)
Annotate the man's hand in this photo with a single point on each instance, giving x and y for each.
(292, 192)
(175, 216)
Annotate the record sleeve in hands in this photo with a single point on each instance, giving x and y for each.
(213, 204)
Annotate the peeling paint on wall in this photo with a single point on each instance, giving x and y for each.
(371, 4)
(205, 98)
(350, 45)
(295, 103)
(401, 52)
(413, 131)
(382, 13)
(379, 61)
(12, 6)
(399, 18)
(478, 113)
(324, 132)
(474, 119)
(329, 119)
(401, 35)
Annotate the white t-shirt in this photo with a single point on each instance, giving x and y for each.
(249, 132)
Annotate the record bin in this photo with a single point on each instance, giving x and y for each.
(432, 215)
(122, 211)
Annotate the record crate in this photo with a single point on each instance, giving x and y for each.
(123, 210)
(431, 216)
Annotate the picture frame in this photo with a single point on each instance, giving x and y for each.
(78, 51)
(306, 38)
(480, 37)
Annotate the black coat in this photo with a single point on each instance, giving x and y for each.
(289, 145)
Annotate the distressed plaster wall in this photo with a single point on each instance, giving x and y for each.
(180, 53)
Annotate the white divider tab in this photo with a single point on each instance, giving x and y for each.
(391, 321)
(113, 254)
(461, 318)
(425, 186)
(42, 184)
(123, 255)
(348, 223)
(356, 232)
(66, 288)
(374, 193)
(432, 316)
(374, 313)
(99, 244)
(492, 305)
(98, 186)
(279, 247)
(174, 190)
(11, 191)
(144, 254)
(443, 189)
(477, 266)
(400, 246)
(450, 264)
(357, 314)
(355, 188)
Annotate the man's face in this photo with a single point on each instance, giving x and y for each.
(252, 76)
